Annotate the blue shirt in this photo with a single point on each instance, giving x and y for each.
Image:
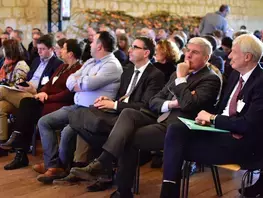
(39, 71)
(212, 22)
(95, 79)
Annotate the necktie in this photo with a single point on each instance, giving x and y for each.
(133, 82)
(233, 101)
(165, 115)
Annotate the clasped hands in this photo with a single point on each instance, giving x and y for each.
(104, 102)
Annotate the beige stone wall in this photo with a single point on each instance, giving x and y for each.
(26, 14)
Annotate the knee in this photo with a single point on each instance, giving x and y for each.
(68, 134)
(42, 123)
(175, 132)
(130, 113)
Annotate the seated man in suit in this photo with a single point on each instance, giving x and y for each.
(99, 75)
(138, 85)
(192, 87)
(240, 112)
(41, 70)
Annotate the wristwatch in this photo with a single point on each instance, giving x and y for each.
(213, 119)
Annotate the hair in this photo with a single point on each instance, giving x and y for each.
(74, 47)
(223, 8)
(47, 40)
(107, 40)
(218, 33)
(250, 44)
(19, 33)
(212, 40)
(243, 27)
(227, 41)
(183, 36)
(179, 41)
(205, 44)
(61, 42)
(240, 32)
(170, 50)
(257, 33)
(13, 50)
(149, 44)
(37, 29)
(125, 38)
(6, 33)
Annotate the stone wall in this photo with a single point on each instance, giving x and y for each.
(26, 14)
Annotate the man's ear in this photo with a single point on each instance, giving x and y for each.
(248, 57)
(146, 53)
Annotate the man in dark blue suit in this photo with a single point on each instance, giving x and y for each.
(40, 72)
(240, 112)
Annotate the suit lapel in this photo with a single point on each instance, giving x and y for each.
(127, 79)
(250, 81)
(144, 76)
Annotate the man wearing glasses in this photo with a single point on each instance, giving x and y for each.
(193, 87)
(139, 83)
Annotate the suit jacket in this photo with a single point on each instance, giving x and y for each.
(51, 67)
(200, 92)
(248, 122)
(150, 83)
(58, 93)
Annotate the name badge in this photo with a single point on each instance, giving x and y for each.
(240, 105)
(45, 80)
(54, 79)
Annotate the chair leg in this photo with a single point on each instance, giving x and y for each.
(34, 142)
(216, 179)
(244, 178)
(185, 179)
(137, 176)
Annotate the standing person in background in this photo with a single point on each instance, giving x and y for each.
(214, 21)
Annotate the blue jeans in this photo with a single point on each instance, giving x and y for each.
(55, 157)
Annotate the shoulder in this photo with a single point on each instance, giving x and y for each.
(153, 71)
(22, 64)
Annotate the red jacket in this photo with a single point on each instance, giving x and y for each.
(58, 93)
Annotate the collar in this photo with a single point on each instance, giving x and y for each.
(141, 69)
(246, 76)
(104, 58)
(46, 59)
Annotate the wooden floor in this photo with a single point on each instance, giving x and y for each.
(22, 183)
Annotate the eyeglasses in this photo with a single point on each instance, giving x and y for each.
(133, 47)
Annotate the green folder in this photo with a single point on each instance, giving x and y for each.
(193, 126)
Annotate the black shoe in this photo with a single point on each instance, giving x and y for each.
(20, 161)
(117, 194)
(255, 190)
(94, 170)
(99, 186)
(15, 137)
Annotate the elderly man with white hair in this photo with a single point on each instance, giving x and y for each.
(240, 112)
(191, 88)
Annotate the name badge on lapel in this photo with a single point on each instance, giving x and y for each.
(240, 105)
(45, 80)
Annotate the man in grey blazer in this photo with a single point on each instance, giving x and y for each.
(99, 75)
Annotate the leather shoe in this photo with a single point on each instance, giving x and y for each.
(20, 161)
(100, 185)
(51, 174)
(12, 139)
(255, 190)
(117, 194)
(39, 168)
(90, 172)
(68, 180)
